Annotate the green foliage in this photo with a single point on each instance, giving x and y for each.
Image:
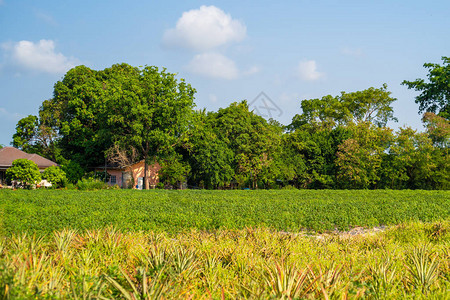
(370, 105)
(174, 171)
(252, 140)
(25, 171)
(312, 154)
(210, 158)
(438, 129)
(233, 147)
(73, 170)
(413, 162)
(141, 107)
(359, 157)
(25, 132)
(33, 136)
(154, 118)
(435, 94)
(91, 184)
(55, 176)
(43, 211)
(123, 114)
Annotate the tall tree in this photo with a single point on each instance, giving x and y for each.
(359, 157)
(371, 105)
(438, 129)
(210, 158)
(435, 94)
(26, 132)
(33, 136)
(313, 153)
(413, 162)
(152, 114)
(79, 110)
(252, 139)
(143, 108)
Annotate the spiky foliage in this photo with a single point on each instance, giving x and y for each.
(252, 263)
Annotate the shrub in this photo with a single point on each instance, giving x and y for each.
(88, 184)
(25, 171)
(288, 187)
(70, 186)
(55, 176)
(73, 170)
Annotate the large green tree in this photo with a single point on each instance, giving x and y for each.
(434, 93)
(438, 129)
(252, 139)
(33, 136)
(80, 107)
(371, 105)
(313, 154)
(141, 108)
(359, 157)
(152, 115)
(210, 158)
(413, 163)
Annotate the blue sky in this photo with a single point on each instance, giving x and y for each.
(227, 50)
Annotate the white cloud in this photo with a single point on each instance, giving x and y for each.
(213, 65)
(39, 56)
(204, 29)
(307, 70)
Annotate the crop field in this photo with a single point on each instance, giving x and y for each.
(44, 211)
(411, 261)
(158, 244)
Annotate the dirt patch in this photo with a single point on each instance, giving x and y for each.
(357, 231)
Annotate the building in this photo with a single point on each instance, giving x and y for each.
(131, 176)
(10, 154)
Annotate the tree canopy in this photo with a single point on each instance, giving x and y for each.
(434, 93)
(371, 105)
(125, 114)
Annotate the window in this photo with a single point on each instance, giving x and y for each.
(113, 179)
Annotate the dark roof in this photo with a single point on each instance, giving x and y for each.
(10, 154)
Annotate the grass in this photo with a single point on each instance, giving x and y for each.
(44, 211)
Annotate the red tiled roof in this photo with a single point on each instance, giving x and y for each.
(10, 154)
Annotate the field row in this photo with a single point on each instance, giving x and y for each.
(411, 261)
(45, 211)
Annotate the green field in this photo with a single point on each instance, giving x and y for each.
(122, 244)
(44, 211)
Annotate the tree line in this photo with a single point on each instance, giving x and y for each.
(126, 114)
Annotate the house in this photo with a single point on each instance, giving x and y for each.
(131, 176)
(10, 154)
